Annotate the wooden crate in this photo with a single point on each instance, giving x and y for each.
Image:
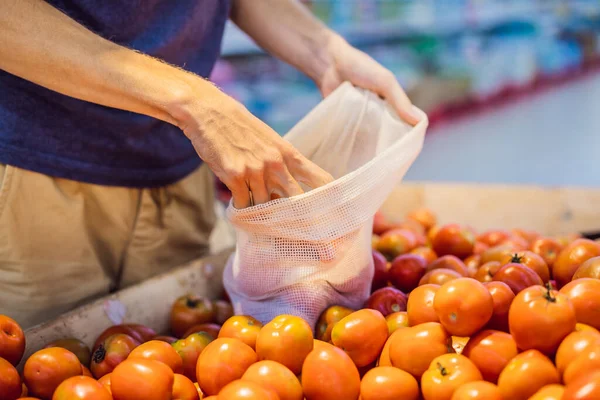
(547, 210)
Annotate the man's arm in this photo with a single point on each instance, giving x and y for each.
(41, 44)
(286, 29)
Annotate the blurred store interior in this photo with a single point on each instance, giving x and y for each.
(512, 87)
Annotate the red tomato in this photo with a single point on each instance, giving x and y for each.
(446, 374)
(531, 260)
(571, 258)
(494, 237)
(547, 248)
(406, 271)
(47, 368)
(587, 387)
(209, 328)
(112, 352)
(387, 300)
(395, 242)
(166, 339)
(81, 388)
(449, 262)
(380, 277)
(189, 350)
(223, 311)
(140, 378)
(12, 340)
(423, 216)
(183, 388)
(10, 381)
(503, 297)
(362, 335)
(455, 240)
(540, 319)
(518, 277)
(190, 310)
(75, 346)
(525, 374)
(138, 332)
(463, 306)
(589, 269)
(380, 224)
(328, 373)
(584, 294)
(426, 252)
(246, 390)
(491, 351)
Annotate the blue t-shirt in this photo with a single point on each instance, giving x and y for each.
(47, 132)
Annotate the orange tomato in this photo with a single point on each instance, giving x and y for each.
(136, 331)
(589, 269)
(525, 374)
(12, 340)
(189, 350)
(221, 362)
(81, 387)
(110, 353)
(413, 349)
(159, 351)
(241, 327)
(105, 381)
(447, 373)
(396, 321)
(141, 378)
(586, 387)
(572, 346)
(287, 339)
(455, 240)
(473, 263)
(439, 276)
(47, 368)
(547, 248)
(491, 351)
(395, 242)
(328, 319)
(571, 257)
(494, 237)
(190, 310)
(384, 357)
(528, 236)
(517, 276)
(496, 253)
(463, 306)
(423, 216)
(328, 373)
(549, 392)
(449, 262)
(388, 383)
(540, 319)
(503, 296)
(584, 327)
(209, 328)
(531, 260)
(10, 381)
(486, 272)
(183, 388)
(587, 360)
(419, 307)
(362, 335)
(75, 346)
(584, 294)
(426, 252)
(478, 390)
(276, 377)
(459, 343)
(246, 390)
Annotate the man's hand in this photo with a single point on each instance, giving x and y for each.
(350, 64)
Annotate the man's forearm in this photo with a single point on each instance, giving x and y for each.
(41, 44)
(286, 29)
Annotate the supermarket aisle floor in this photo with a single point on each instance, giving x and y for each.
(547, 138)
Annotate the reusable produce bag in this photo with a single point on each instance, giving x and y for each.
(302, 254)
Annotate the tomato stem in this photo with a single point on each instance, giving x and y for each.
(551, 298)
(99, 354)
(442, 369)
(192, 303)
(516, 258)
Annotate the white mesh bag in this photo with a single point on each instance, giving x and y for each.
(302, 254)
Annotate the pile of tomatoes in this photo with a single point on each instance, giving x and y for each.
(453, 315)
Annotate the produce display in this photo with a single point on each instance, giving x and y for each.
(454, 314)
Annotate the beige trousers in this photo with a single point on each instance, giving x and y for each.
(63, 243)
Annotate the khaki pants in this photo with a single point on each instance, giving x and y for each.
(64, 242)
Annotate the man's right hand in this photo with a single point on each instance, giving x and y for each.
(41, 44)
(255, 163)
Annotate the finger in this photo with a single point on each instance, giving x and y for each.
(282, 184)
(259, 191)
(241, 195)
(305, 171)
(395, 95)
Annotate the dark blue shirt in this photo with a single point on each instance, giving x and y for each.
(46, 132)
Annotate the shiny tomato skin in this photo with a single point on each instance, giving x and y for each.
(81, 388)
(463, 306)
(328, 373)
(327, 321)
(209, 328)
(477, 390)
(387, 300)
(47, 368)
(491, 351)
(486, 272)
(75, 346)
(446, 374)
(159, 351)
(189, 350)
(540, 319)
(105, 381)
(531, 260)
(141, 378)
(190, 310)
(503, 296)
(571, 258)
(10, 381)
(518, 277)
(276, 377)
(587, 360)
(572, 346)
(114, 350)
(455, 240)
(12, 340)
(525, 374)
(127, 329)
(586, 387)
(419, 306)
(396, 321)
(362, 335)
(246, 390)
(183, 388)
(549, 392)
(449, 262)
(395, 242)
(439, 276)
(589, 269)
(472, 263)
(426, 252)
(406, 271)
(388, 383)
(584, 294)
(547, 248)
